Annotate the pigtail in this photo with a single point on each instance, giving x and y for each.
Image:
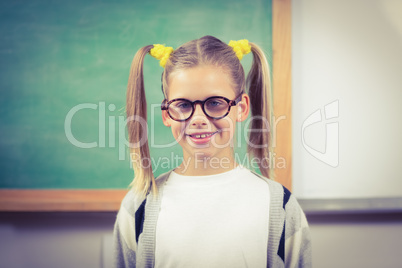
(136, 109)
(259, 84)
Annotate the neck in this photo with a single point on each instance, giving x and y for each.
(199, 165)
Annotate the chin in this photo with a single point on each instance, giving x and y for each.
(200, 155)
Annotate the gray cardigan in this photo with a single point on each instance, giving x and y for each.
(134, 233)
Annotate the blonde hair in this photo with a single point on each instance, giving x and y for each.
(206, 51)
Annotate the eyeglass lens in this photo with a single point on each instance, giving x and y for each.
(183, 109)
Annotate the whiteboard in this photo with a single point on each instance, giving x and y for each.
(347, 100)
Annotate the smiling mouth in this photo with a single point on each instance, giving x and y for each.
(202, 135)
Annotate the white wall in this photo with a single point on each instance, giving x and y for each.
(348, 53)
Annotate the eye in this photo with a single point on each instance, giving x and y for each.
(216, 103)
(181, 104)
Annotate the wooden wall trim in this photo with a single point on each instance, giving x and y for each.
(282, 90)
(60, 200)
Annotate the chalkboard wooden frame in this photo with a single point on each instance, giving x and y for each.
(109, 200)
(61, 200)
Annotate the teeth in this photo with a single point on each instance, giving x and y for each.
(201, 136)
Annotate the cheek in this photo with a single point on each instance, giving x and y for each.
(227, 125)
(178, 130)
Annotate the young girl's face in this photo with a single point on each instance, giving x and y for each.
(201, 136)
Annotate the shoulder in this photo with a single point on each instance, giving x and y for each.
(162, 178)
(132, 202)
(279, 194)
(283, 199)
(133, 205)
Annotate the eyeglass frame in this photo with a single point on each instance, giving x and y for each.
(165, 106)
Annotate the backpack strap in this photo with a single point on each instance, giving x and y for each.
(281, 248)
(139, 220)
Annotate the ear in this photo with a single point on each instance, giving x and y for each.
(243, 108)
(166, 118)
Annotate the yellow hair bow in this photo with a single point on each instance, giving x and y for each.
(161, 53)
(240, 47)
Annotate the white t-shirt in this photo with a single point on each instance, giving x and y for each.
(213, 221)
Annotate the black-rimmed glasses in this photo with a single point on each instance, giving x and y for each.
(215, 107)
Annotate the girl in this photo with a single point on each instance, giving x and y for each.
(209, 211)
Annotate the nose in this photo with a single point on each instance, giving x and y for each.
(198, 118)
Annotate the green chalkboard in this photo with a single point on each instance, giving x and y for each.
(63, 74)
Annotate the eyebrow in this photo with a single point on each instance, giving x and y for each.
(199, 99)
